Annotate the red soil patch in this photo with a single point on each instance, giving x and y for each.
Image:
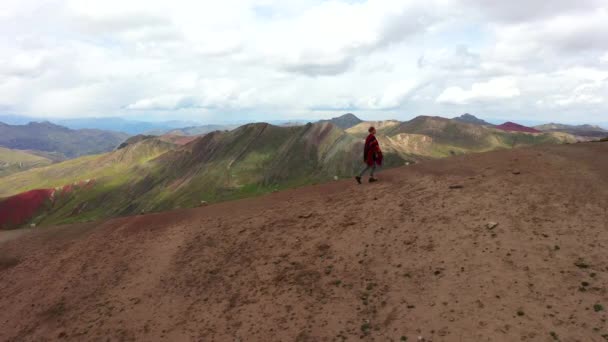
(19, 209)
(513, 127)
(178, 139)
(183, 140)
(68, 189)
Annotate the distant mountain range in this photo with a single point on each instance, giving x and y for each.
(131, 127)
(48, 137)
(51, 138)
(194, 130)
(556, 126)
(155, 173)
(134, 127)
(588, 131)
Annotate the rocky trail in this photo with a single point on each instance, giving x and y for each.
(500, 246)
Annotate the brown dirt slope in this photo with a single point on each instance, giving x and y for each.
(405, 257)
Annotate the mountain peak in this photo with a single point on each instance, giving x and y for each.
(134, 140)
(471, 119)
(348, 116)
(47, 126)
(345, 121)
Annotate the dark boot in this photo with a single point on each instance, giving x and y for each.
(372, 179)
(358, 179)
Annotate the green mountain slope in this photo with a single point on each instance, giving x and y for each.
(250, 160)
(453, 137)
(48, 137)
(361, 129)
(148, 174)
(111, 167)
(12, 161)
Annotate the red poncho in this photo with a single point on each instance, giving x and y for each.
(372, 153)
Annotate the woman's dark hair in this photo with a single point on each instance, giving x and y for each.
(371, 129)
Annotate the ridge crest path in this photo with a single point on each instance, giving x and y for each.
(408, 256)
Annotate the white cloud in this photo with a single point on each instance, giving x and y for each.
(203, 93)
(585, 94)
(530, 10)
(499, 88)
(22, 64)
(327, 39)
(164, 102)
(584, 73)
(302, 58)
(553, 39)
(458, 58)
(392, 97)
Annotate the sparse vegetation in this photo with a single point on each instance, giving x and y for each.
(366, 328)
(13, 161)
(365, 298)
(598, 307)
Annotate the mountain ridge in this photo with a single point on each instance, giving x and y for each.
(150, 174)
(13, 161)
(585, 127)
(49, 137)
(430, 251)
(586, 132)
(515, 127)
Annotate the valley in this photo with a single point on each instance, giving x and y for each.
(150, 173)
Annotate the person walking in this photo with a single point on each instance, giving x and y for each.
(372, 156)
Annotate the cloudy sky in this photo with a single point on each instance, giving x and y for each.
(220, 61)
